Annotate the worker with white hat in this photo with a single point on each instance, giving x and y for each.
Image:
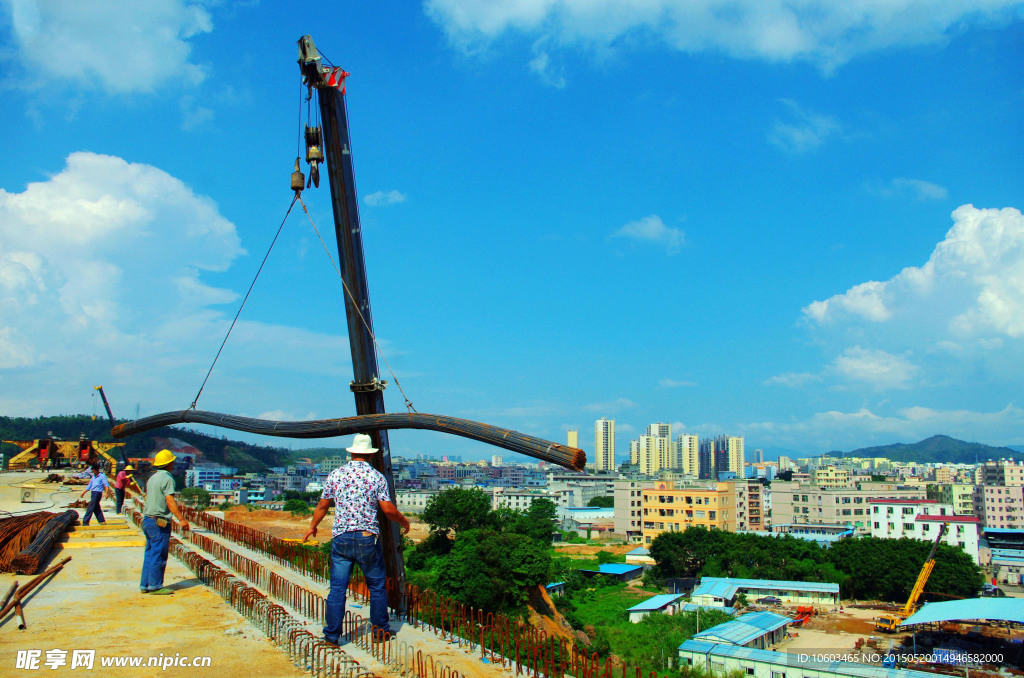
(357, 490)
(156, 524)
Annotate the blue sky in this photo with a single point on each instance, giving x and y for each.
(782, 220)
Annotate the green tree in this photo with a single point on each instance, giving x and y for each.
(196, 496)
(602, 502)
(605, 557)
(493, 571)
(297, 507)
(457, 509)
(539, 521)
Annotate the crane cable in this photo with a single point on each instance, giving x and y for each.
(355, 305)
(253, 284)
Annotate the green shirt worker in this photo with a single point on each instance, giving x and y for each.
(156, 524)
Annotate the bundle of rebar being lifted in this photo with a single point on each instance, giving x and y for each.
(27, 562)
(563, 455)
(17, 532)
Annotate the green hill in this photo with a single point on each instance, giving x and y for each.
(939, 449)
(246, 456)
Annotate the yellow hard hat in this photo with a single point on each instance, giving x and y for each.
(163, 458)
(129, 467)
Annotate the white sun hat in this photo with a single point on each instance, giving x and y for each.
(362, 444)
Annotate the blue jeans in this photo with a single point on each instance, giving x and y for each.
(158, 541)
(94, 508)
(350, 549)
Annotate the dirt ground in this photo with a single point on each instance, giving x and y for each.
(592, 549)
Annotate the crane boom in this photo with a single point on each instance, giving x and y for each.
(890, 622)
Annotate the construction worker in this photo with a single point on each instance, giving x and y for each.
(156, 524)
(357, 491)
(97, 487)
(121, 482)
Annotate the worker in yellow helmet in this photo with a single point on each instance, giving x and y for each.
(156, 524)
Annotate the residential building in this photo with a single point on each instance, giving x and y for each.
(629, 509)
(750, 514)
(604, 444)
(922, 519)
(668, 509)
(686, 454)
(514, 498)
(1000, 506)
(199, 476)
(831, 476)
(1002, 472)
(958, 495)
(652, 453)
(572, 438)
(796, 502)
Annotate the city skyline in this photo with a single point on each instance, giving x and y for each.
(796, 224)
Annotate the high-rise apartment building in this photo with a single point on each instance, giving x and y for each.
(572, 438)
(604, 444)
(686, 454)
(720, 454)
(653, 453)
(660, 430)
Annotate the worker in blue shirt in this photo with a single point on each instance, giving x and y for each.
(98, 485)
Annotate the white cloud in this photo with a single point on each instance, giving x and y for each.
(792, 379)
(951, 323)
(861, 428)
(653, 229)
(922, 190)
(102, 281)
(120, 46)
(875, 367)
(384, 198)
(822, 32)
(611, 407)
(803, 130)
(973, 283)
(674, 383)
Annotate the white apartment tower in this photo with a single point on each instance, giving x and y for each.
(686, 454)
(573, 438)
(604, 444)
(654, 453)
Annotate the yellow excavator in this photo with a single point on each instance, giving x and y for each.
(891, 622)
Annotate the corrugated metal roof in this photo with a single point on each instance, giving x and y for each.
(745, 629)
(715, 582)
(791, 659)
(1007, 609)
(656, 603)
(718, 589)
(1004, 530)
(639, 551)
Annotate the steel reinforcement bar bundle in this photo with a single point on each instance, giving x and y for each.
(563, 455)
(17, 532)
(510, 643)
(28, 561)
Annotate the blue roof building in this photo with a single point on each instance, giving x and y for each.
(1001, 609)
(758, 629)
(754, 663)
(666, 603)
(721, 591)
(620, 571)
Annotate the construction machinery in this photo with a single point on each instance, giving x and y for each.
(891, 622)
(51, 453)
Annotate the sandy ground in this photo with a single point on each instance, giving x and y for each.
(94, 604)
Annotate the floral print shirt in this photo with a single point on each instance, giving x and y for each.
(355, 488)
